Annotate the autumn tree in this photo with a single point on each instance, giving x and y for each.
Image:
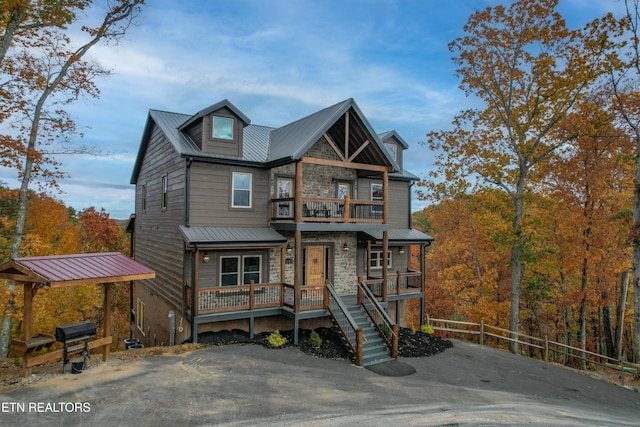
(620, 49)
(100, 233)
(44, 71)
(527, 69)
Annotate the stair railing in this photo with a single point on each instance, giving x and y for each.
(386, 327)
(348, 327)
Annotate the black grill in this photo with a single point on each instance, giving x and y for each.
(68, 334)
(75, 331)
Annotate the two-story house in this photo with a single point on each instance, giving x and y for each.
(260, 228)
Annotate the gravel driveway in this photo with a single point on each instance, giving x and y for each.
(250, 385)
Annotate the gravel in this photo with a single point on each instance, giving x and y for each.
(410, 343)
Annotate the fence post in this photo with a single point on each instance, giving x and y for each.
(482, 332)
(546, 348)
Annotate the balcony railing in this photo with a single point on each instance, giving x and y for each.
(255, 296)
(397, 283)
(328, 210)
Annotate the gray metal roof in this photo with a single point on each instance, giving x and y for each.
(401, 235)
(262, 144)
(390, 134)
(67, 270)
(237, 236)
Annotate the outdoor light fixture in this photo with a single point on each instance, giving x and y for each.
(401, 249)
(345, 247)
(289, 249)
(205, 257)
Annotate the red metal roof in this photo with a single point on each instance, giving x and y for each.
(65, 270)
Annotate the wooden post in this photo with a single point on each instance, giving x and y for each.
(394, 344)
(251, 295)
(359, 293)
(27, 324)
(297, 280)
(347, 209)
(482, 332)
(385, 260)
(298, 191)
(107, 320)
(546, 348)
(385, 197)
(359, 339)
(283, 255)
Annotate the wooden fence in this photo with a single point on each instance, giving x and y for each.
(537, 347)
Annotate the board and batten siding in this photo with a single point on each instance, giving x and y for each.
(210, 197)
(159, 243)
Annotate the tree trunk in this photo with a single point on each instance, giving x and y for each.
(636, 253)
(583, 314)
(608, 331)
(620, 309)
(516, 259)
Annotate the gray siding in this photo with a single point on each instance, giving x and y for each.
(398, 199)
(219, 146)
(210, 196)
(158, 242)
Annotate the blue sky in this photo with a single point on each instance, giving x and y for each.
(277, 61)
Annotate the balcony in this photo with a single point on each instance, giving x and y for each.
(327, 210)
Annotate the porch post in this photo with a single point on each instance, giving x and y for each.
(28, 324)
(385, 260)
(298, 191)
(297, 280)
(107, 320)
(423, 279)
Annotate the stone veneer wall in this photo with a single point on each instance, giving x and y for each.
(318, 180)
(344, 273)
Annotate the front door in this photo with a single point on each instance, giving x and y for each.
(316, 265)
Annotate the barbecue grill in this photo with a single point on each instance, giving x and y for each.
(72, 333)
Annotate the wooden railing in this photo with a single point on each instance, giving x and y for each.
(350, 330)
(387, 329)
(397, 283)
(328, 210)
(233, 298)
(534, 346)
(255, 296)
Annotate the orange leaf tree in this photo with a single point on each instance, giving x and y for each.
(527, 69)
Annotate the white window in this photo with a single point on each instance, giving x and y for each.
(241, 190)
(376, 259)
(222, 127)
(376, 196)
(165, 191)
(140, 315)
(240, 270)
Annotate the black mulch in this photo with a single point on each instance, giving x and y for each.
(410, 343)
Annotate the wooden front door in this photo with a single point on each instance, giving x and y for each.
(315, 265)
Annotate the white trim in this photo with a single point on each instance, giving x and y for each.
(140, 307)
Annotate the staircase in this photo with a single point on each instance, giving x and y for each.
(374, 349)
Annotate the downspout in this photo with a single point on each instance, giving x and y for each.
(187, 191)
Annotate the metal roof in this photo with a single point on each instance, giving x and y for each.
(77, 269)
(215, 107)
(390, 134)
(401, 235)
(232, 236)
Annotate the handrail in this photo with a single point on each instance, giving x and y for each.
(386, 327)
(345, 323)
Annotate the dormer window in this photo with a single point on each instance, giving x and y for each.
(222, 128)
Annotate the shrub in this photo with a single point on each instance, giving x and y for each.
(427, 329)
(276, 340)
(315, 340)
